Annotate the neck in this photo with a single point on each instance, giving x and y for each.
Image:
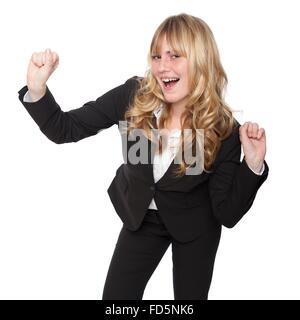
(176, 111)
(174, 121)
(177, 108)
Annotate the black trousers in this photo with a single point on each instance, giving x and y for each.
(137, 254)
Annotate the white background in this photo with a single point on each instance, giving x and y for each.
(58, 227)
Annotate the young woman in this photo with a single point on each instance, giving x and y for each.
(157, 192)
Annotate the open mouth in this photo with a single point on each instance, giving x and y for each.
(169, 83)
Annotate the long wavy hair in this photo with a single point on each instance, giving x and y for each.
(205, 109)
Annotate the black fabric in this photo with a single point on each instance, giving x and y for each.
(138, 253)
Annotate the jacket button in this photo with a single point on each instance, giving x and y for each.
(152, 188)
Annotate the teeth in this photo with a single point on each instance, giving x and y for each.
(169, 79)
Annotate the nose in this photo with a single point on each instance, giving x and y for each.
(164, 64)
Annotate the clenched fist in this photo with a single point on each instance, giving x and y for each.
(253, 142)
(41, 66)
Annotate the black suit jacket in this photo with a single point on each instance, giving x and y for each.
(190, 205)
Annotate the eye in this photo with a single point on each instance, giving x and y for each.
(175, 55)
(155, 57)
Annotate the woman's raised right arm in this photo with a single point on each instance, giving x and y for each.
(74, 125)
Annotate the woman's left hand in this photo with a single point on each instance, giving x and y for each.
(253, 142)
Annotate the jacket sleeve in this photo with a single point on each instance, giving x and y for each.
(71, 126)
(232, 184)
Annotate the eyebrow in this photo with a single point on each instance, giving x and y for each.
(172, 51)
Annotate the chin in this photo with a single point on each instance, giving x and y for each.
(170, 99)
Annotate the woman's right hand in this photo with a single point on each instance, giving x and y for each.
(41, 66)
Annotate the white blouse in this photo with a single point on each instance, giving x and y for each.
(161, 162)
